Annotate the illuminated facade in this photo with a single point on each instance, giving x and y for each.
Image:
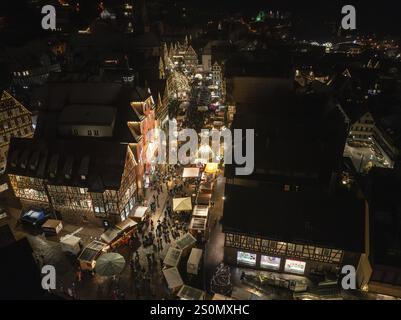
(15, 121)
(89, 165)
(69, 182)
(275, 255)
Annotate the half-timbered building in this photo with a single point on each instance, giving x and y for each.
(86, 159)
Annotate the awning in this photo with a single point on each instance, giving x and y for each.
(200, 211)
(190, 173)
(51, 223)
(92, 251)
(173, 257)
(187, 240)
(182, 204)
(110, 235)
(206, 187)
(173, 278)
(126, 224)
(211, 167)
(203, 198)
(190, 293)
(198, 223)
(139, 213)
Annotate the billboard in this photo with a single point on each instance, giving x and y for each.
(246, 258)
(294, 266)
(268, 262)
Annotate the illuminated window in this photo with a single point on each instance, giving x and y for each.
(246, 258)
(272, 263)
(326, 252)
(294, 266)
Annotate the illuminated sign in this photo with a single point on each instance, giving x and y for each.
(294, 266)
(270, 262)
(246, 258)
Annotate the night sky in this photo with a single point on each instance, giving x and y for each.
(381, 17)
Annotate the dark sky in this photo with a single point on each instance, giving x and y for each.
(380, 16)
(372, 16)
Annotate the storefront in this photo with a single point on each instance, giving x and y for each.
(246, 258)
(272, 263)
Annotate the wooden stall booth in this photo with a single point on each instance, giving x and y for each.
(88, 256)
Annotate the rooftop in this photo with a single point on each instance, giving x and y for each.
(64, 162)
(308, 216)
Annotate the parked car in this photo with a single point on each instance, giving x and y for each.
(34, 217)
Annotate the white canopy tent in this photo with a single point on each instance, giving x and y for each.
(173, 279)
(200, 211)
(185, 243)
(182, 204)
(139, 213)
(190, 173)
(190, 293)
(173, 257)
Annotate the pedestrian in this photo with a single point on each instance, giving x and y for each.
(79, 275)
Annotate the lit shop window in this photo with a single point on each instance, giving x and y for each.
(246, 258)
(294, 266)
(272, 263)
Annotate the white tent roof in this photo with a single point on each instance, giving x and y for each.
(182, 204)
(185, 241)
(190, 293)
(173, 257)
(173, 278)
(190, 173)
(140, 212)
(195, 256)
(70, 240)
(201, 210)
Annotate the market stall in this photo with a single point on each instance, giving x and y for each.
(52, 227)
(185, 243)
(140, 214)
(206, 187)
(203, 198)
(198, 228)
(200, 211)
(190, 293)
(194, 261)
(119, 234)
(218, 296)
(173, 257)
(190, 173)
(211, 168)
(70, 244)
(88, 256)
(173, 279)
(182, 204)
